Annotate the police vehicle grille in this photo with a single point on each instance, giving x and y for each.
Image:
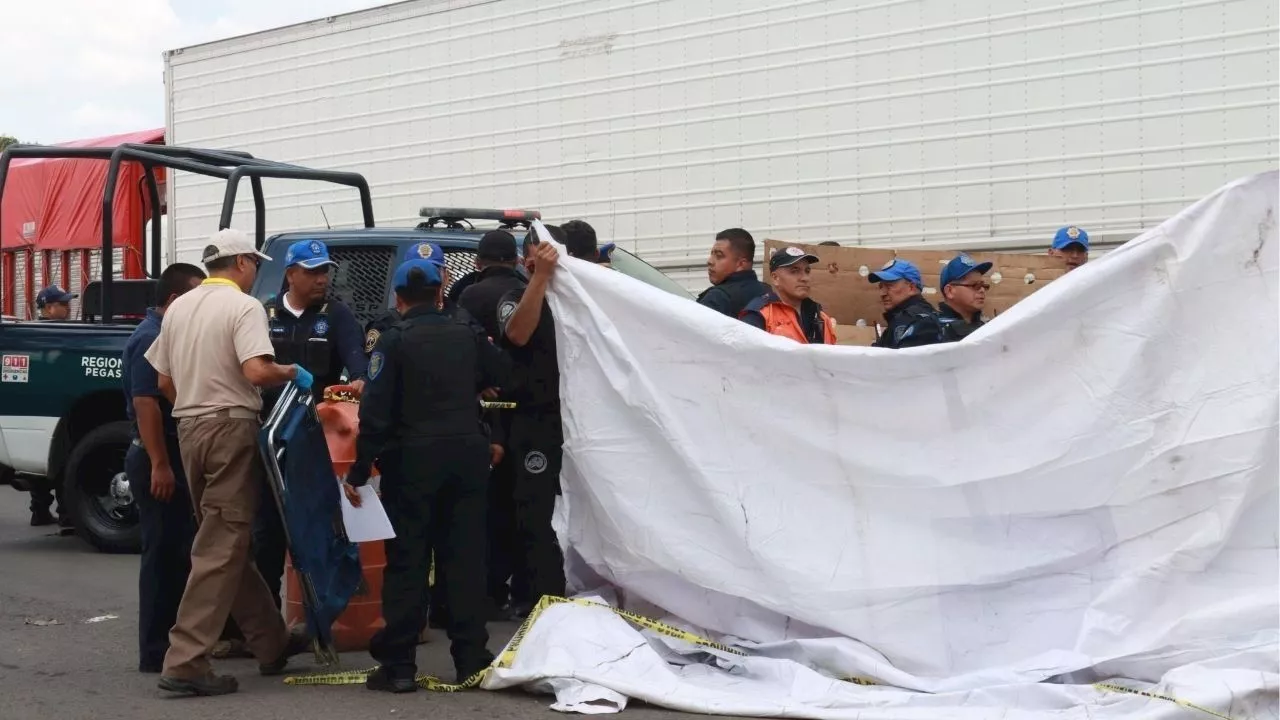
(361, 279)
(460, 264)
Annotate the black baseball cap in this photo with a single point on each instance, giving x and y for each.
(784, 257)
(497, 246)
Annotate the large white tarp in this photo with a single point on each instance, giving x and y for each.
(1086, 489)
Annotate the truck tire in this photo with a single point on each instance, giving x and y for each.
(97, 493)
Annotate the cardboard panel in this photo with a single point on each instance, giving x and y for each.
(840, 279)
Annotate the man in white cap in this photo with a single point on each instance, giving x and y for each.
(213, 353)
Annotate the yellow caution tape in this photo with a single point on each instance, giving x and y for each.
(358, 677)
(492, 405)
(1157, 696)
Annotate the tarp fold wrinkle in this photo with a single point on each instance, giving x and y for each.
(1085, 490)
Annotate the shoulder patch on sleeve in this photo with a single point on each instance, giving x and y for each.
(505, 310)
(375, 365)
(371, 339)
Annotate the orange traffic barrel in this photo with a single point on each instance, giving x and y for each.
(363, 617)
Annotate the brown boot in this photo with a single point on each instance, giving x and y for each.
(208, 685)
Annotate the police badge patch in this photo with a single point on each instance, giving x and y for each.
(375, 365)
(1073, 232)
(535, 463)
(371, 339)
(889, 264)
(321, 327)
(425, 250)
(315, 247)
(505, 310)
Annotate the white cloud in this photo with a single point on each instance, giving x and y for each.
(83, 68)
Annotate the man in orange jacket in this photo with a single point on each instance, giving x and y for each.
(787, 310)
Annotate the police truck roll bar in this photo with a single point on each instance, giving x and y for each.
(229, 165)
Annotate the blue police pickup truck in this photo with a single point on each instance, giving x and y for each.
(62, 414)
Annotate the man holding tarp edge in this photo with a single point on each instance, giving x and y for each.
(528, 335)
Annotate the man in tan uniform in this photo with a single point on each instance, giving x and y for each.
(212, 355)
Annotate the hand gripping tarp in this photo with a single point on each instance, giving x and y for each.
(1084, 491)
(302, 480)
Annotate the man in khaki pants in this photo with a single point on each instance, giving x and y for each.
(212, 355)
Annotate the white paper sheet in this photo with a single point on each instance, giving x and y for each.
(1085, 489)
(369, 522)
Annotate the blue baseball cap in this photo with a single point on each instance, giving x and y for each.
(309, 254)
(897, 269)
(960, 266)
(428, 268)
(54, 294)
(425, 251)
(1070, 235)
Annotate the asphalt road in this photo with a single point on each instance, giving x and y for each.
(76, 670)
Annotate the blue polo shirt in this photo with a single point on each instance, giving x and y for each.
(140, 379)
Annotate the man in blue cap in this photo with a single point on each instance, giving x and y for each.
(321, 334)
(964, 294)
(54, 303)
(1072, 245)
(912, 321)
(418, 251)
(425, 373)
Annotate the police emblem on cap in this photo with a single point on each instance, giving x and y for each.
(535, 462)
(794, 252)
(375, 365)
(889, 264)
(321, 327)
(964, 258)
(315, 247)
(425, 250)
(371, 339)
(1073, 232)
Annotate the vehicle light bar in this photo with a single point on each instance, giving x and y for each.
(522, 216)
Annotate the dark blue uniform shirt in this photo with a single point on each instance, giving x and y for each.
(332, 322)
(140, 379)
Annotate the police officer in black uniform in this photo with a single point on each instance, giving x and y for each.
(373, 331)
(528, 334)
(964, 293)
(497, 275)
(322, 335)
(730, 268)
(425, 375)
(418, 251)
(912, 321)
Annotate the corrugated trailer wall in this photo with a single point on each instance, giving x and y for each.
(906, 123)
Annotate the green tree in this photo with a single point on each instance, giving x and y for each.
(7, 140)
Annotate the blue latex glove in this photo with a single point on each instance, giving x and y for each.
(304, 379)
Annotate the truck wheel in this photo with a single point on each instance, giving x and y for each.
(97, 491)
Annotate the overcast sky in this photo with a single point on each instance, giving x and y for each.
(73, 69)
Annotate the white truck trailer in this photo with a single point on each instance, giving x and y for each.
(982, 125)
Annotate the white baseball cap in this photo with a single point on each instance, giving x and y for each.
(229, 243)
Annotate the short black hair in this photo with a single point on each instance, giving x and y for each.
(176, 280)
(419, 290)
(829, 243)
(531, 238)
(222, 263)
(580, 240)
(740, 241)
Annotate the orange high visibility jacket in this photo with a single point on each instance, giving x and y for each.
(770, 314)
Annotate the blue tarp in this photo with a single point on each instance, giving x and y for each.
(309, 495)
